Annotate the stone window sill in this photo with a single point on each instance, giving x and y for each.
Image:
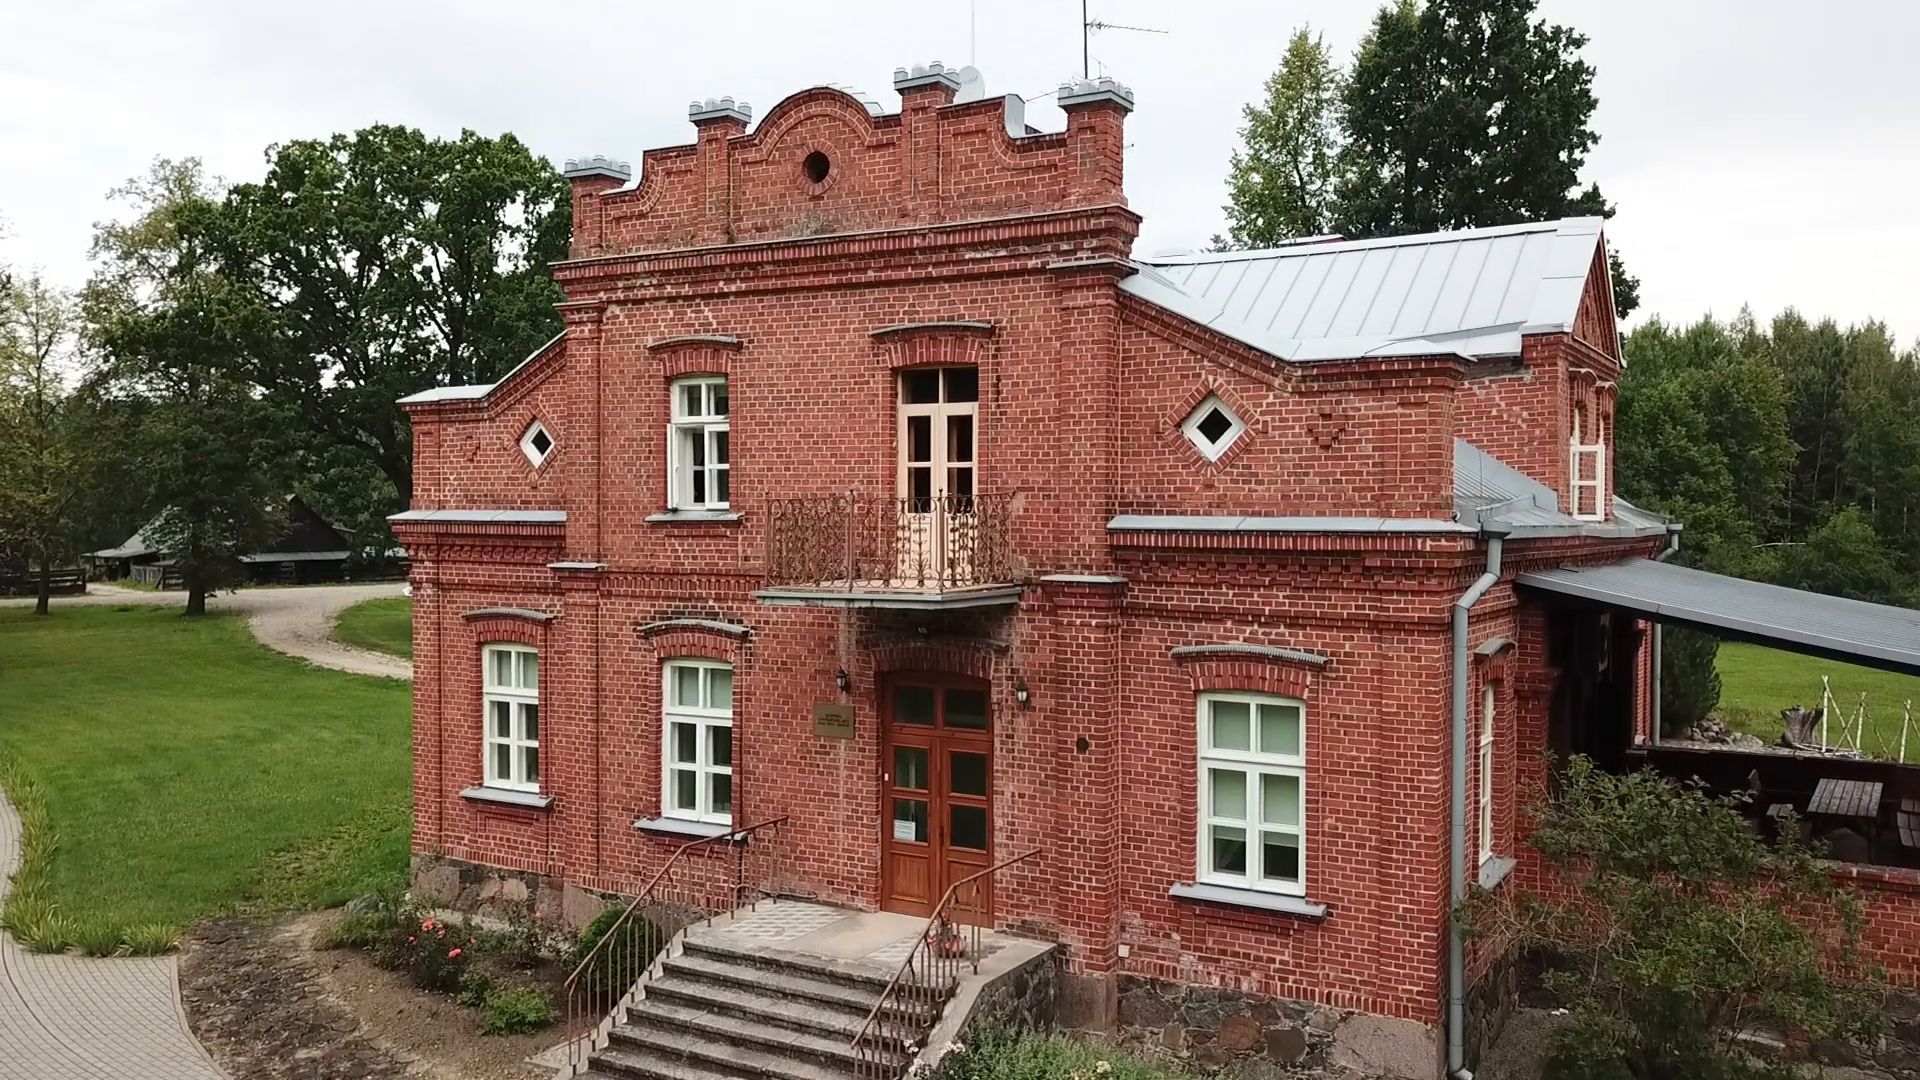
(1248, 898)
(1494, 871)
(676, 827)
(526, 800)
(694, 517)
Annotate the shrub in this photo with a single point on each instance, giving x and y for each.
(98, 939)
(638, 941)
(525, 942)
(151, 939)
(1004, 1055)
(432, 953)
(515, 1010)
(476, 986)
(1680, 927)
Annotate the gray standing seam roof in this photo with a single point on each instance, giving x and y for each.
(1877, 635)
(1472, 292)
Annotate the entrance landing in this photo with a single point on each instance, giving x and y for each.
(874, 941)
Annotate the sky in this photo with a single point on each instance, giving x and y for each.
(1761, 152)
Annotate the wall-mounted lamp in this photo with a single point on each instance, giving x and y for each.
(842, 680)
(1020, 692)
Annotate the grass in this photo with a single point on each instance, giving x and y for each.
(384, 625)
(1756, 683)
(1001, 1055)
(168, 768)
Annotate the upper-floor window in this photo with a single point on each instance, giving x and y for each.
(697, 728)
(1486, 772)
(1253, 792)
(939, 408)
(697, 470)
(1587, 467)
(510, 691)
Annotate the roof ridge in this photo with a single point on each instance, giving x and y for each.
(1302, 249)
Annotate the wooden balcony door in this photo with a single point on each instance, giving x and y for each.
(938, 465)
(936, 794)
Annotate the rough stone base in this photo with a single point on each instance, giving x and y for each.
(1087, 1003)
(1246, 1035)
(1490, 1004)
(491, 891)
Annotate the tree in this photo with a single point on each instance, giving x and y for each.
(172, 328)
(1677, 925)
(1844, 557)
(1689, 678)
(387, 262)
(1280, 186)
(1455, 114)
(44, 456)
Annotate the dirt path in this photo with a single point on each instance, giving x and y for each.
(295, 620)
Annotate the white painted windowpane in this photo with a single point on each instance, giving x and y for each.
(686, 685)
(1229, 852)
(1280, 856)
(686, 790)
(530, 764)
(691, 399)
(720, 745)
(529, 670)
(502, 719)
(1229, 793)
(530, 720)
(686, 743)
(1232, 726)
(1280, 799)
(722, 794)
(502, 762)
(719, 688)
(502, 661)
(1280, 729)
(717, 397)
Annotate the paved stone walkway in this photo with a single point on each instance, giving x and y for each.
(296, 620)
(80, 1018)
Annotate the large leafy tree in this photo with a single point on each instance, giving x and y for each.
(1679, 927)
(388, 262)
(46, 452)
(171, 327)
(1454, 114)
(1280, 186)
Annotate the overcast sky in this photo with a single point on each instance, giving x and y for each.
(1761, 151)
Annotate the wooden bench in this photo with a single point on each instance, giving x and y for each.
(1909, 820)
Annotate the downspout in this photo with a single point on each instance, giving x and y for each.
(1673, 546)
(1456, 941)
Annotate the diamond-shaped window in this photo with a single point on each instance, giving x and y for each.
(537, 444)
(1212, 428)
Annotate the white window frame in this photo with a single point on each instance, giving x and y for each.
(1487, 713)
(534, 454)
(1586, 471)
(704, 717)
(522, 701)
(1255, 765)
(705, 426)
(1213, 450)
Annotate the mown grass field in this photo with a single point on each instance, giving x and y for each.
(384, 625)
(1756, 683)
(181, 769)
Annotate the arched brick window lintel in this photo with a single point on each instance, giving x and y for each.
(509, 626)
(935, 343)
(972, 658)
(696, 354)
(1494, 657)
(699, 639)
(1262, 668)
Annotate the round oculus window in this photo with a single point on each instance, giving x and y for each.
(816, 167)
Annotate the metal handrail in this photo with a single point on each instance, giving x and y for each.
(908, 1007)
(857, 541)
(618, 956)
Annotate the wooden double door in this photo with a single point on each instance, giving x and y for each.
(937, 794)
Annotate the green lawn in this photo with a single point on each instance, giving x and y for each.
(1756, 683)
(381, 625)
(182, 769)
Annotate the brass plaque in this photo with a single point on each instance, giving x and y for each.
(832, 720)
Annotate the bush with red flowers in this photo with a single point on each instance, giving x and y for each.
(432, 952)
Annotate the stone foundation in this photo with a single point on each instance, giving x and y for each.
(1245, 1035)
(1490, 1004)
(489, 891)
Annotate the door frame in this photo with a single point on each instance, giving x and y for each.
(939, 740)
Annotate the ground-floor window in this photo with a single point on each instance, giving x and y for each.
(1253, 792)
(1486, 772)
(697, 733)
(510, 691)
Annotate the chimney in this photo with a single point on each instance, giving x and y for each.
(590, 178)
(718, 120)
(1096, 114)
(927, 86)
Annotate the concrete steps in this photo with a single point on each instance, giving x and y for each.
(717, 1011)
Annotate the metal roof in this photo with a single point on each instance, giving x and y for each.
(1489, 493)
(476, 391)
(1878, 635)
(1473, 292)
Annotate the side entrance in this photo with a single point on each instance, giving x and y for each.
(936, 789)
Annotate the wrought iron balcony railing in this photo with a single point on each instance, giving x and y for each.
(863, 543)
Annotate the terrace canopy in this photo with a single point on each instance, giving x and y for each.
(1874, 635)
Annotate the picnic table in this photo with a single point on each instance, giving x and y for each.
(1858, 800)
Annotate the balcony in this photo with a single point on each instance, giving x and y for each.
(854, 550)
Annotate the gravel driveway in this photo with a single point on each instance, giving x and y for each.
(294, 619)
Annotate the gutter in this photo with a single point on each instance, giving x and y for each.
(1672, 548)
(1456, 940)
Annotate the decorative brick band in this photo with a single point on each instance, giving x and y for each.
(972, 657)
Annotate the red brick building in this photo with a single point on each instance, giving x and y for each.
(1150, 564)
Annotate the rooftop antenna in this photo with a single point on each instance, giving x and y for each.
(1089, 24)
